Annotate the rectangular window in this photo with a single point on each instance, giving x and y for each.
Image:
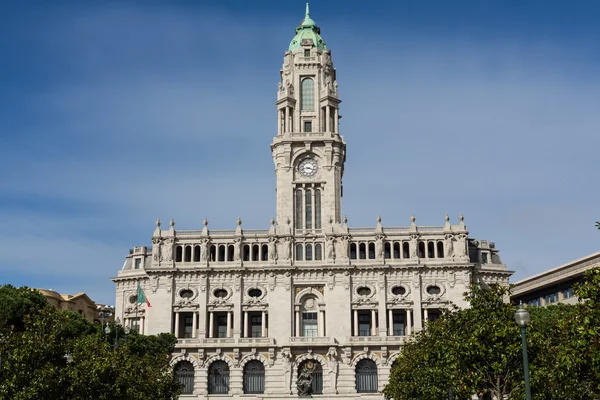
(307, 126)
(138, 263)
(364, 324)
(135, 324)
(309, 324)
(398, 324)
(221, 326)
(256, 325)
(568, 293)
(317, 208)
(299, 213)
(484, 258)
(188, 326)
(306, 53)
(307, 99)
(308, 206)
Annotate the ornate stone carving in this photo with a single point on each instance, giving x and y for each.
(272, 249)
(272, 280)
(167, 249)
(157, 250)
(330, 246)
(414, 243)
(169, 282)
(286, 361)
(271, 356)
(286, 246)
(330, 279)
(204, 250)
(237, 248)
(287, 281)
(449, 246)
(451, 278)
(343, 254)
(203, 282)
(155, 283)
(379, 247)
(332, 362)
(237, 282)
(346, 280)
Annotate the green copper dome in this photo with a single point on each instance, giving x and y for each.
(308, 29)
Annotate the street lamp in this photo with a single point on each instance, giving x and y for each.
(117, 325)
(522, 318)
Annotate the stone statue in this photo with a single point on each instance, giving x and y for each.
(379, 247)
(461, 246)
(156, 249)
(344, 247)
(204, 250)
(272, 249)
(330, 248)
(332, 361)
(286, 249)
(287, 369)
(449, 246)
(237, 249)
(168, 249)
(413, 246)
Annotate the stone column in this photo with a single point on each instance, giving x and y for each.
(264, 324)
(336, 121)
(211, 324)
(425, 316)
(373, 323)
(297, 322)
(177, 324)
(246, 324)
(355, 323)
(321, 324)
(391, 322)
(142, 325)
(408, 324)
(327, 119)
(279, 122)
(194, 323)
(287, 120)
(228, 324)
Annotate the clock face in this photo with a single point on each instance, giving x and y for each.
(308, 167)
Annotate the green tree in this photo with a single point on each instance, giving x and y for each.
(35, 339)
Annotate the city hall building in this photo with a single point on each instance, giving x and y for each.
(308, 306)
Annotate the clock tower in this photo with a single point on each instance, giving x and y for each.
(308, 151)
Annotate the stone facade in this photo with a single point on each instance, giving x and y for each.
(310, 299)
(554, 285)
(79, 303)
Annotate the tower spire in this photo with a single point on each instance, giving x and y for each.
(307, 12)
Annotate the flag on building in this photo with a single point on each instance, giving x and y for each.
(141, 296)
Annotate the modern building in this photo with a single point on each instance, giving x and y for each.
(308, 305)
(554, 285)
(79, 303)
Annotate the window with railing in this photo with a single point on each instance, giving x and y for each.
(310, 377)
(366, 376)
(218, 378)
(254, 377)
(364, 324)
(398, 323)
(184, 371)
(309, 324)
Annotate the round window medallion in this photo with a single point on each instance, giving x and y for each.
(363, 291)
(220, 293)
(186, 294)
(255, 292)
(399, 290)
(434, 290)
(133, 299)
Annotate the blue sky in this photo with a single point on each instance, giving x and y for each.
(116, 113)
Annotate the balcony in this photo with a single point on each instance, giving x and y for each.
(364, 339)
(224, 342)
(308, 340)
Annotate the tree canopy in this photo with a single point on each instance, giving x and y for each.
(35, 340)
(478, 350)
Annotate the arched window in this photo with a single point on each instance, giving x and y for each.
(430, 250)
(387, 250)
(218, 378)
(213, 253)
(421, 248)
(353, 251)
(265, 252)
(184, 371)
(317, 209)
(196, 253)
(310, 378)
(299, 252)
(299, 209)
(307, 99)
(396, 250)
(308, 252)
(371, 251)
(221, 253)
(254, 377)
(405, 250)
(440, 249)
(178, 254)
(362, 251)
(308, 205)
(230, 251)
(255, 252)
(188, 253)
(318, 252)
(366, 376)
(246, 252)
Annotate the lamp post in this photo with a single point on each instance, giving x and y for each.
(117, 325)
(522, 318)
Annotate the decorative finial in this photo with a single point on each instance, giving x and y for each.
(158, 222)
(307, 11)
(412, 218)
(461, 218)
(239, 221)
(447, 218)
(345, 219)
(378, 218)
(172, 223)
(272, 221)
(205, 222)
